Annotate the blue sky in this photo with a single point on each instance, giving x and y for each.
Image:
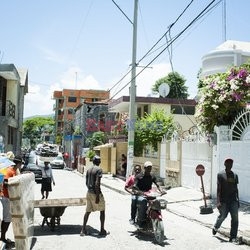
(55, 39)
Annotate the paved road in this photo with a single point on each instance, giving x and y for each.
(180, 233)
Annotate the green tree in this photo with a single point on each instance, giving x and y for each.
(34, 127)
(150, 130)
(97, 138)
(176, 83)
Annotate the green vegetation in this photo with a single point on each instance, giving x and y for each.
(33, 128)
(150, 130)
(176, 83)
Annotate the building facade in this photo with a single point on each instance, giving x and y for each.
(92, 117)
(13, 87)
(65, 103)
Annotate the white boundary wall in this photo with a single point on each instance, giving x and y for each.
(194, 153)
(239, 151)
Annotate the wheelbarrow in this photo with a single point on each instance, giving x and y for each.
(53, 209)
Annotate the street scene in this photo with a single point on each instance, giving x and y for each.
(125, 125)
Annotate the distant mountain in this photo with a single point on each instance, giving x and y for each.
(26, 118)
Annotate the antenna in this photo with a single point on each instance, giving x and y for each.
(224, 21)
(76, 81)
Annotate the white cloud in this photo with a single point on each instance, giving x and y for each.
(39, 100)
(52, 55)
(144, 81)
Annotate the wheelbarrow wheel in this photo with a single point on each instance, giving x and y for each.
(58, 221)
(52, 223)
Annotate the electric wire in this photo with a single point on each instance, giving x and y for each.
(122, 12)
(205, 15)
(170, 26)
(154, 44)
(81, 29)
(173, 40)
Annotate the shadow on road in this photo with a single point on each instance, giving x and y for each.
(147, 237)
(61, 230)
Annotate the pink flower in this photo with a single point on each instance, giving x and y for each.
(243, 74)
(237, 96)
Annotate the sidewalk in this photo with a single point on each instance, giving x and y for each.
(186, 203)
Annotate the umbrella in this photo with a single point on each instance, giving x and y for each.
(5, 162)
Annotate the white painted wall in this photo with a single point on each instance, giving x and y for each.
(194, 153)
(239, 151)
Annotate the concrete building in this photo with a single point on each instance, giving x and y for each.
(91, 117)
(182, 110)
(13, 87)
(229, 53)
(65, 103)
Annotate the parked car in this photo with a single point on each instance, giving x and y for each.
(31, 165)
(58, 162)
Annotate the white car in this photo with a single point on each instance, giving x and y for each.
(58, 162)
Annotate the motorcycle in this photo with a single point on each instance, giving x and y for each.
(154, 223)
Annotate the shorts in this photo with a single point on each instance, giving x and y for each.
(92, 206)
(6, 209)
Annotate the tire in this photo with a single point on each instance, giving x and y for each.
(158, 228)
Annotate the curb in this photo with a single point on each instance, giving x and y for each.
(114, 189)
(223, 231)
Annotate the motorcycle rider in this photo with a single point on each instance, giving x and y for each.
(143, 183)
(128, 187)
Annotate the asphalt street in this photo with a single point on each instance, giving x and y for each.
(180, 233)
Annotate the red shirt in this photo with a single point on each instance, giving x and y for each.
(130, 181)
(11, 172)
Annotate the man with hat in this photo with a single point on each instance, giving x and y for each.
(143, 183)
(227, 199)
(11, 172)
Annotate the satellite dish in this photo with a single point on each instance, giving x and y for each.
(164, 89)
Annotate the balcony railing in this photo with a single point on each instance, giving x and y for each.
(10, 109)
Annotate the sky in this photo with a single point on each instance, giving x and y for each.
(87, 44)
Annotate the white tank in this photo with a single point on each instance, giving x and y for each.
(229, 53)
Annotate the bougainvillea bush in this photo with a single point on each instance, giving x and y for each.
(222, 96)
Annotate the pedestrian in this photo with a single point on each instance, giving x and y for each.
(11, 172)
(95, 199)
(128, 187)
(124, 165)
(47, 178)
(227, 199)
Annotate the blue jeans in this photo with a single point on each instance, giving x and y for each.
(133, 206)
(142, 209)
(231, 208)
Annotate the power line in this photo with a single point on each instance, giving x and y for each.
(81, 28)
(154, 44)
(171, 25)
(173, 40)
(122, 12)
(209, 11)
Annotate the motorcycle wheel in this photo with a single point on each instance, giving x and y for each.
(158, 228)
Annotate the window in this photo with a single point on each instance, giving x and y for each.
(59, 124)
(145, 109)
(59, 112)
(11, 135)
(71, 99)
(181, 109)
(94, 99)
(139, 112)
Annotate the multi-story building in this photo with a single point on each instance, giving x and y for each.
(13, 87)
(65, 103)
(92, 117)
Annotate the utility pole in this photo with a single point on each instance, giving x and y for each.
(132, 104)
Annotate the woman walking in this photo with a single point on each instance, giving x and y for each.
(47, 178)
